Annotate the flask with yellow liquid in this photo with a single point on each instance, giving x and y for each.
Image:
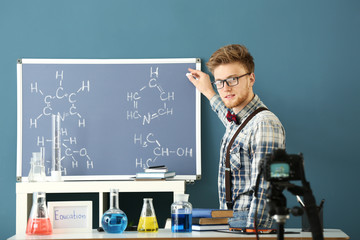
(148, 221)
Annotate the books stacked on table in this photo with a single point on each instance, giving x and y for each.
(204, 219)
(155, 173)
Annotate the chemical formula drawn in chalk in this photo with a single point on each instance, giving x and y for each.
(69, 143)
(164, 102)
(164, 97)
(158, 151)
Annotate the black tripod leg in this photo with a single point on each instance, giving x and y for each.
(280, 231)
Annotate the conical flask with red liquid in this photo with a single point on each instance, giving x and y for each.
(39, 221)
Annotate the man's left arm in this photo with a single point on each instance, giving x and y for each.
(268, 136)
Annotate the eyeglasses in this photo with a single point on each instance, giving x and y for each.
(231, 82)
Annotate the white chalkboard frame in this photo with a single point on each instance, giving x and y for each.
(23, 177)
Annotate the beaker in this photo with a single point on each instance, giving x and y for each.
(39, 221)
(114, 220)
(37, 166)
(148, 221)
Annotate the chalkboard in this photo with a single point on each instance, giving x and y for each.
(118, 116)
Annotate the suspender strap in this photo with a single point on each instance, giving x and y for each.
(228, 186)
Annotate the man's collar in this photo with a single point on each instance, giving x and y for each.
(249, 108)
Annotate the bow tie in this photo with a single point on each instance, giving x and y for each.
(231, 117)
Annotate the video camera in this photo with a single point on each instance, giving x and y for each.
(281, 167)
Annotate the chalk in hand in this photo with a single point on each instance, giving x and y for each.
(189, 74)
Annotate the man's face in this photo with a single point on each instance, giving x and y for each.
(236, 97)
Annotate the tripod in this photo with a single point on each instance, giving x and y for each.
(278, 209)
(279, 168)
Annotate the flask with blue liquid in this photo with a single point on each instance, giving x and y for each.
(114, 220)
(181, 214)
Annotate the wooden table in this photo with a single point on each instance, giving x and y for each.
(329, 234)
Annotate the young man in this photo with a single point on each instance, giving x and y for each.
(233, 69)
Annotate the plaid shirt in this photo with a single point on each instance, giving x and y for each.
(262, 135)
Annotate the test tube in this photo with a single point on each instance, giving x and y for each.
(42, 153)
(42, 163)
(56, 148)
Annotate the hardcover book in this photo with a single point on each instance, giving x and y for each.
(211, 213)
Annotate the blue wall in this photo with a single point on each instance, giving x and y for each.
(307, 71)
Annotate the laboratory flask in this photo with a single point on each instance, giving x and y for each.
(114, 220)
(39, 221)
(148, 221)
(181, 214)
